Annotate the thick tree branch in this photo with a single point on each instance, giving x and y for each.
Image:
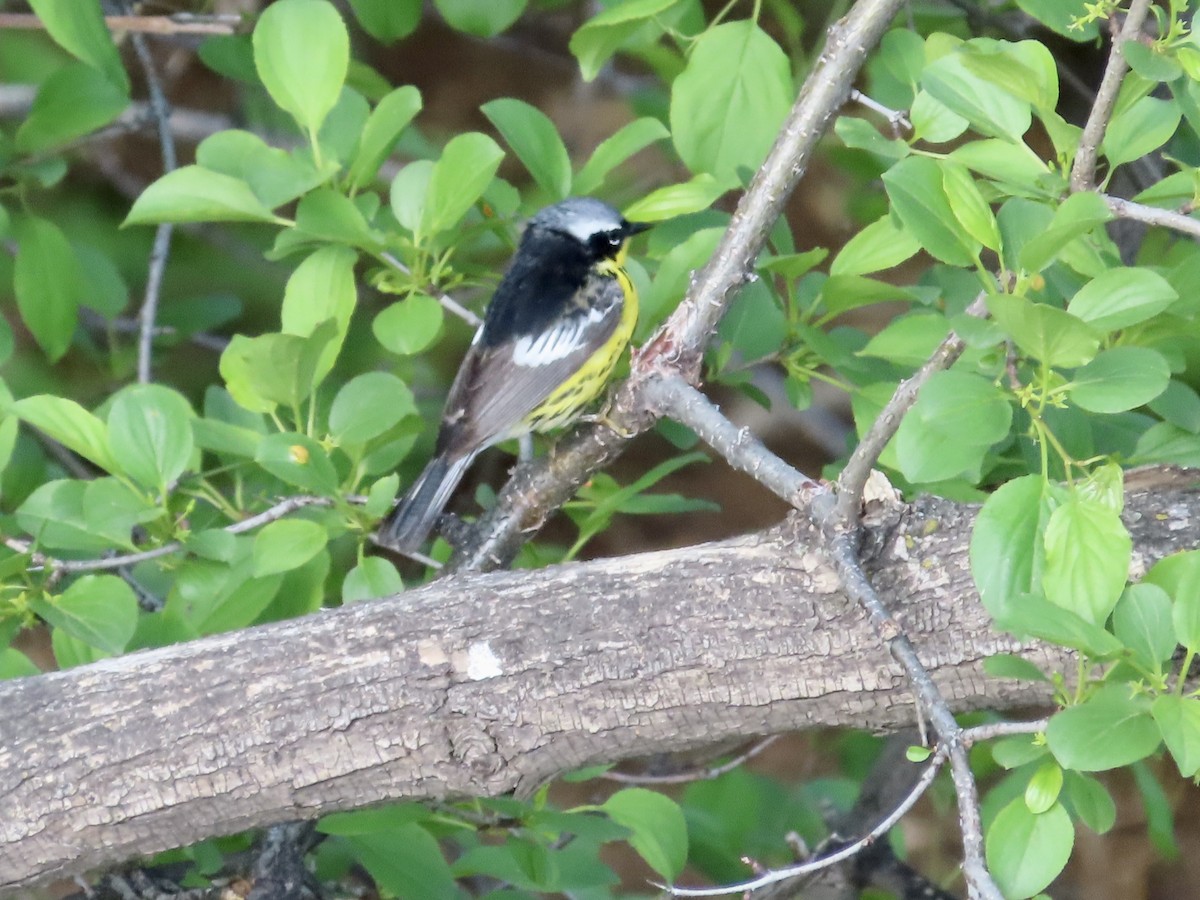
(483, 684)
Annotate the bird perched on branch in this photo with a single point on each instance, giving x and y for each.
(553, 332)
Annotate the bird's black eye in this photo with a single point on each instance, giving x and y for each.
(605, 243)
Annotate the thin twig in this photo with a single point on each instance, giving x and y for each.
(897, 118)
(772, 876)
(161, 250)
(706, 774)
(674, 398)
(854, 477)
(1083, 171)
(538, 489)
(278, 511)
(992, 730)
(184, 23)
(448, 303)
(1151, 215)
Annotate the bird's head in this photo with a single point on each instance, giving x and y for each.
(602, 231)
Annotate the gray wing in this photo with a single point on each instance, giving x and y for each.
(498, 386)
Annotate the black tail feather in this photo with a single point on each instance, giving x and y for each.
(408, 525)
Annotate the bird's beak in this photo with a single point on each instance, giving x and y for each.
(632, 228)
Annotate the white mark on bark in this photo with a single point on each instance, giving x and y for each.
(482, 663)
(431, 653)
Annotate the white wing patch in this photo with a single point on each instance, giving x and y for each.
(555, 343)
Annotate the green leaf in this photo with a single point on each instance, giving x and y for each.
(409, 326)
(384, 126)
(933, 121)
(368, 405)
(1054, 336)
(1025, 69)
(918, 196)
(859, 134)
(676, 200)
(1090, 801)
(602, 35)
(302, 53)
(298, 460)
(382, 495)
(1013, 165)
(728, 103)
(1119, 379)
(1005, 665)
(1006, 544)
(991, 110)
(1139, 129)
(225, 438)
(1044, 788)
(956, 418)
(287, 544)
(1120, 297)
(880, 245)
(616, 149)
(1025, 852)
(387, 20)
(371, 579)
(968, 205)
(1014, 752)
(196, 194)
(100, 610)
(69, 104)
(49, 285)
(1142, 622)
(459, 178)
(15, 664)
(535, 141)
(482, 18)
(274, 176)
(150, 431)
(322, 289)
(1178, 719)
(1061, 17)
(78, 27)
(273, 370)
(1034, 616)
(71, 425)
(381, 819)
(659, 830)
(1076, 216)
(328, 215)
(1106, 731)
(1087, 558)
(908, 340)
(406, 862)
(408, 193)
(1179, 575)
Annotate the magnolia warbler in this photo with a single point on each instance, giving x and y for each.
(557, 324)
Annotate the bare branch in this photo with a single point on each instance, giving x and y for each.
(1151, 215)
(184, 23)
(706, 774)
(1083, 171)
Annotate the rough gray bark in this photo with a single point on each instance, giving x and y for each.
(484, 684)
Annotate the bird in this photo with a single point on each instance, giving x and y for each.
(560, 318)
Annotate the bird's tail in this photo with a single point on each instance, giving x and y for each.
(407, 526)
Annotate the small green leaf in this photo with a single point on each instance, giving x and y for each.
(298, 460)
(459, 178)
(956, 418)
(1005, 665)
(384, 126)
(49, 285)
(406, 862)
(1178, 719)
(1119, 379)
(15, 664)
(1033, 616)
(322, 289)
(1044, 788)
(728, 103)
(372, 579)
(676, 200)
(1142, 622)
(616, 149)
(918, 195)
(1014, 752)
(1025, 852)
(409, 326)
(382, 495)
(408, 193)
(601, 36)
(78, 26)
(968, 205)
(482, 18)
(880, 245)
(917, 754)
(150, 431)
(1140, 129)
(535, 141)
(371, 821)
(1054, 336)
(367, 406)
(70, 103)
(1076, 216)
(387, 20)
(329, 215)
(1087, 558)
(196, 194)
(1090, 801)
(991, 110)
(71, 425)
(659, 830)
(100, 610)
(274, 176)
(287, 544)
(302, 53)
(1108, 730)
(1120, 297)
